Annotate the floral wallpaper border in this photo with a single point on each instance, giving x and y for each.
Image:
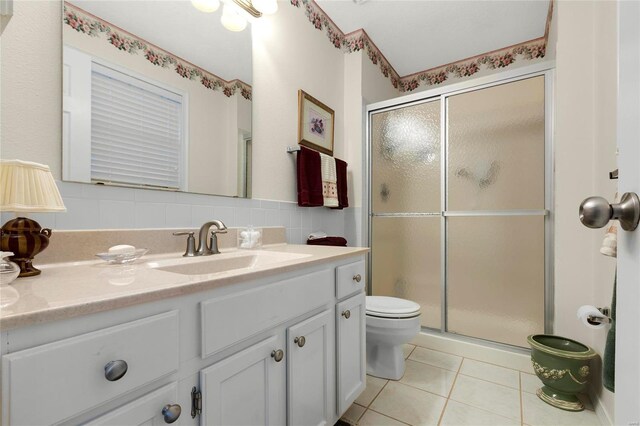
(360, 40)
(84, 22)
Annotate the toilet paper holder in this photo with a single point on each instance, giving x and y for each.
(596, 320)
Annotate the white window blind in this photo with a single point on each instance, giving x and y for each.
(136, 131)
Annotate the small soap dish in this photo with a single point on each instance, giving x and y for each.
(121, 258)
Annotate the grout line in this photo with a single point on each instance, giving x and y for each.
(485, 410)
(495, 383)
(378, 394)
(521, 401)
(386, 415)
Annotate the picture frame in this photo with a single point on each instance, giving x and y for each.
(315, 124)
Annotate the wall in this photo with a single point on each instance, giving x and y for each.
(31, 93)
(585, 134)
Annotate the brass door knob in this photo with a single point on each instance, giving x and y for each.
(300, 341)
(347, 314)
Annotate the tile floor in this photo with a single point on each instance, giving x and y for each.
(442, 389)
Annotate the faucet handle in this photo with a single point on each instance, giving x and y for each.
(191, 243)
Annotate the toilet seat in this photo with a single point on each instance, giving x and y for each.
(391, 307)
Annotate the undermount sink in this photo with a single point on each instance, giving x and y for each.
(224, 262)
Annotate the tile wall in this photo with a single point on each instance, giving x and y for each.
(105, 207)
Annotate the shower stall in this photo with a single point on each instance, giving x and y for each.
(459, 203)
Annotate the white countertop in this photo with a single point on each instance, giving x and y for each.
(66, 290)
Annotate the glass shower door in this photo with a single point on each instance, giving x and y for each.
(406, 205)
(495, 212)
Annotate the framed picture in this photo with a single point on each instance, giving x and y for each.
(315, 123)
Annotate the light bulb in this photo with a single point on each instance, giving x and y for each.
(206, 6)
(267, 7)
(232, 19)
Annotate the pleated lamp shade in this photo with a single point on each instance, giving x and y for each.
(28, 187)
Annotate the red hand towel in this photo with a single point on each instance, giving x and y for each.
(309, 178)
(328, 241)
(341, 183)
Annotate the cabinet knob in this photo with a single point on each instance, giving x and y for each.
(277, 355)
(115, 370)
(347, 314)
(357, 278)
(300, 341)
(171, 412)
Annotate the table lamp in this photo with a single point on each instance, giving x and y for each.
(26, 187)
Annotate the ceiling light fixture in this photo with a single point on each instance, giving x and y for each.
(232, 18)
(206, 6)
(267, 7)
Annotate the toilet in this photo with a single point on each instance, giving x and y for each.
(391, 322)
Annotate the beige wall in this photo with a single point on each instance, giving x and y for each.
(585, 132)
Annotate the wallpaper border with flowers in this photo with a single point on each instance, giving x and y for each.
(360, 40)
(86, 23)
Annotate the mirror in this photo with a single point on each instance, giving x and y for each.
(156, 94)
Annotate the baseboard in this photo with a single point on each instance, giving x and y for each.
(606, 418)
(511, 358)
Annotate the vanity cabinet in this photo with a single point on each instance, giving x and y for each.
(282, 349)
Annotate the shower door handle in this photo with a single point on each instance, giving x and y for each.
(596, 212)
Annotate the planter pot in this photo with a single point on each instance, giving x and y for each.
(563, 366)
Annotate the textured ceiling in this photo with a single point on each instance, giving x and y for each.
(422, 34)
(177, 27)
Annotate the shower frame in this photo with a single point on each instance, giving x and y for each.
(545, 69)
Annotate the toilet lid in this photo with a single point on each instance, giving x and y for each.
(391, 307)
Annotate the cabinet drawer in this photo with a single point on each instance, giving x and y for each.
(65, 378)
(347, 281)
(227, 320)
(146, 410)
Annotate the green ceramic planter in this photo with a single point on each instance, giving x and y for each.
(563, 366)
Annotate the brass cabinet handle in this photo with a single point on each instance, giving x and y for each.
(300, 341)
(277, 355)
(347, 314)
(357, 278)
(115, 370)
(171, 412)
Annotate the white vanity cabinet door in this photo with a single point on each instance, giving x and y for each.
(351, 358)
(310, 351)
(146, 410)
(247, 388)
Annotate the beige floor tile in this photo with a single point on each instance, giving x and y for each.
(353, 414)
(491, 373)
(374, 385)
(428, 377)
(498, 399)
(538, 413)
(457, 414)
(529, 382)
(407, 349)
(371, 418)
(408, 404)
(436, 358)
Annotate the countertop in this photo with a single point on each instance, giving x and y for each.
(71, 289)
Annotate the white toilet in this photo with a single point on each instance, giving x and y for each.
(391, 322)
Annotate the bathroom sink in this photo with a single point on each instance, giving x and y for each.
(224, 262)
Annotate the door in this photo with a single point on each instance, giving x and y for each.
(310, 357)
(351, 351)
(628, 290)
(147, 410)
(247, 388)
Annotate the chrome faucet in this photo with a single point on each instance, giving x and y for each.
(205, 249)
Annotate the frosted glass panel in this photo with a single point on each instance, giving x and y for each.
(405, 152)
(496, 147)
(495, 277)
(406, 262)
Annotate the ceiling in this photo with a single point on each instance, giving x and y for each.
(177, 27)
(416, 35)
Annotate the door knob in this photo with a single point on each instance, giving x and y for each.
(596, 212)
(357, 278)
(347, 314)
(300, 341)
(277, 355)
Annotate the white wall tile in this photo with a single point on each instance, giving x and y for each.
(179, 215)
(150, 196)
(116, 214)
(150, 215)
(272, 217)
(201, 214)
(258, 217)
(104, 192)
(226, 215)
(81, 213)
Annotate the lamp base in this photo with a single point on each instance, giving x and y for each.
(25, 238)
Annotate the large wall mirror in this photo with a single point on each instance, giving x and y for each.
(156, 94)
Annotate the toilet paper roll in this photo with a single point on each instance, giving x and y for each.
(585, 311)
